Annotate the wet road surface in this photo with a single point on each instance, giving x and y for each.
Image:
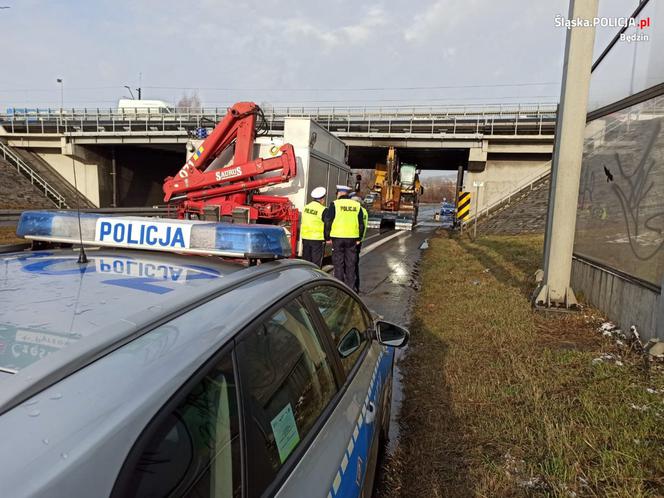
(389, 283)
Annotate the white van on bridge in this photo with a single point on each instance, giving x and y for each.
(143, 107)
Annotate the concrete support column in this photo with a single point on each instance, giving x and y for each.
(477, 157)
(555, 290)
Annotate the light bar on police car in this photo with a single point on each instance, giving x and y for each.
(157, 234)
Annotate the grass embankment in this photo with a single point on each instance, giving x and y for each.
(502, 401)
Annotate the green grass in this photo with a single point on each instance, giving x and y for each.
(502, 401)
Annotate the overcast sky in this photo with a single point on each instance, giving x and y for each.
(286, 51)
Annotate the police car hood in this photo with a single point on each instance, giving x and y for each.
(49, 301)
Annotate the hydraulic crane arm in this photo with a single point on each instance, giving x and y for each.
(229, 180)
(239, 126)
(232, 191)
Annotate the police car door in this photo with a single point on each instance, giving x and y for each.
(341, 461)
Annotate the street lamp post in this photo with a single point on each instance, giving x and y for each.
(62, 93)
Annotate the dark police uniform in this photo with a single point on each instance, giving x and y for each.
(365, 217)
(313, 232)
(344, 224)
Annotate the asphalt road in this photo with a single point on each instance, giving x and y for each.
(389, 283)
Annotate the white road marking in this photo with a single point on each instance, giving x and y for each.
(373, 236)
(371, 247)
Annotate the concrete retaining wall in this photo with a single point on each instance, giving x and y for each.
(625, 301)
(502, 177)
(140, 171)
(87, 172)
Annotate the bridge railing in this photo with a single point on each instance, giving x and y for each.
(35, 179)
(289, 110)
(500, 118)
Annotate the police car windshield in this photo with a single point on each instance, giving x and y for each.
(49, 301)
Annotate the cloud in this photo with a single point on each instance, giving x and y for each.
(299, 28)
(433, 19)
(350, 34)
(375, 18)
(279, 50)
(449, 52)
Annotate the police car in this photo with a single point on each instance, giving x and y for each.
(447, 209)
(160, 372)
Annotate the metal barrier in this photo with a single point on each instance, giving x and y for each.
(488, 119)
(12, 215)
(25, 170)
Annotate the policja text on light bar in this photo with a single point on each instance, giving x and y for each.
(156, 234)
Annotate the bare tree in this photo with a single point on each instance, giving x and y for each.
(436, 189)
(189, 102)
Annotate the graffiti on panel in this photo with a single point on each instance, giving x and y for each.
(587, 182)
(632, 194)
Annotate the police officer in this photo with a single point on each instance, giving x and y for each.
(313, 227)
(365, 217)
(344, 225)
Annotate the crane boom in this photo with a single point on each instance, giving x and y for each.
(234, 188)
(202, 185)
(238, 125)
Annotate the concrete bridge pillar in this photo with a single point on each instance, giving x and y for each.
(477, 157)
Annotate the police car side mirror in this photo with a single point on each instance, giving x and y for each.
(389, 334)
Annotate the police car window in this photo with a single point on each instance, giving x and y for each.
(195, 449)
(345, 317)
(287, 382)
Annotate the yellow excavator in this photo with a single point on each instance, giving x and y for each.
(398, 189)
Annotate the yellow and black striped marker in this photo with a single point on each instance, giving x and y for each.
(463, 206)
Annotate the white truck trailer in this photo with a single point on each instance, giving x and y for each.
(321, 160)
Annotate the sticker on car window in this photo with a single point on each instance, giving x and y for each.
(285, 432)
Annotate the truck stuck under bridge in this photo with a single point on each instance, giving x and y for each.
(232, 176)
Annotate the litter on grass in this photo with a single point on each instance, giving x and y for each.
(607, 358)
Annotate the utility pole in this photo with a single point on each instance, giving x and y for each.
(140, 85)
(139, 90)
(554, 291)
(62, 92)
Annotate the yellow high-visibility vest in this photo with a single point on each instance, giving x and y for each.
(365, 217)
(312, 221)
(346, 224)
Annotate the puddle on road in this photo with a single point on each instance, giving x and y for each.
(392, 277)
(397, 300)
(397, 382)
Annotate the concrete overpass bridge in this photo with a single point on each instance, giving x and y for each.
(123, 156)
